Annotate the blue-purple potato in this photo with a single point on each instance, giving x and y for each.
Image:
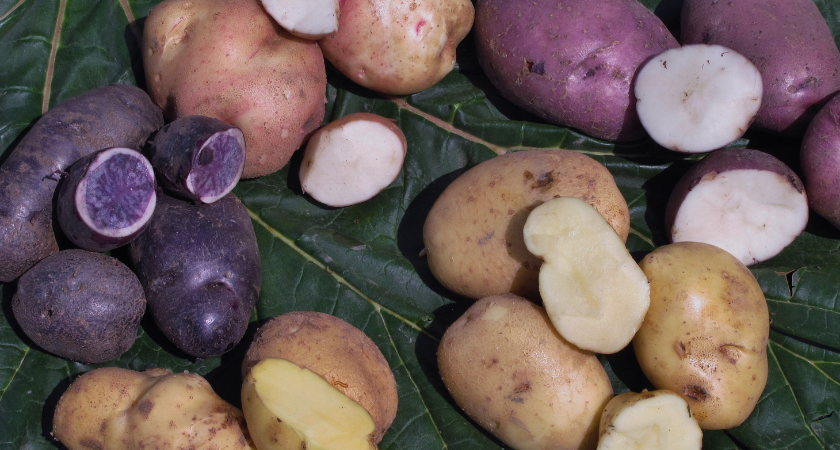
(512, 373)
(107, 199)
(572, 64)
(789, 42)
(110, 116)
(80, 305)
(198, 158)
(199, 265)
(820, 158)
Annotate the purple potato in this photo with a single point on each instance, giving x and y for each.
(789, 42)
(107, 199)
(820, 158)
(744, 201)
(199, 158)
(110, 116)
(200, 267)
(80, 305)
(571, 63)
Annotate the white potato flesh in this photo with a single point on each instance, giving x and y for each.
(697, 98)
(658, 420)
(351, 160)
(593, 291)
(752, 214)
(310, 19)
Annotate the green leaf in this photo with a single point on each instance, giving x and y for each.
(363, 263)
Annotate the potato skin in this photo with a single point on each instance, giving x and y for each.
(229, 60)
(337, 351)
(572, 65)
(706, 332)
(473, 233)
(116, 115)
(511, 372)
(820, 158)
(398, 47)
(789, 42)
(80, 305)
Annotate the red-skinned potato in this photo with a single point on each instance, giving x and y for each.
(229, 60)
(820, 158)
(398, 47)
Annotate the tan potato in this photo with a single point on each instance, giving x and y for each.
(398, 47)
(337, 351)
(113, 408)
(473, 233)
(706, 331)
(512, 373)
(227, 59)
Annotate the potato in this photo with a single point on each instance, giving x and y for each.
(657, 420)
(227, 59)
(706, 332)
(114, 408)
(337, 351)
(398, 47)
(571, 63)
(510, 371)
(116, 115)
(473, 233)
(790, 43)
(80, 305)
(820, 158)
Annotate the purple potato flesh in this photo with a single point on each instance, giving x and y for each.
(80, 305)
(820, 158)
(199, 158)
(744, 201)
(199, 265)
(111, 116)
(107, 199)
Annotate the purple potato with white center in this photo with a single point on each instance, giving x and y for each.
(107, 199)
(116, 115)
(199, 265)
(80, 305)
(572, 64)
(789, 42)
(744, 201)
(198, 157)
(820, 158)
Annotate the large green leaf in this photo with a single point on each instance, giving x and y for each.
(363, 263)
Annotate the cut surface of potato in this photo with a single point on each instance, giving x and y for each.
(287, 406)
(352, 159)
(657, 420)
(310, 19)
(594, 292)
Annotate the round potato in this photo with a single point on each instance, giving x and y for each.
(706, 331)
(473, 233)
(337, 351)
(227, 59)
(511, 372)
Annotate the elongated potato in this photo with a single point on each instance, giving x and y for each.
(473, 233)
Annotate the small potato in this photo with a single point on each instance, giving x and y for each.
(512, 373)
(657, 420)
(706, 332)
(820, 158)
(337, 351)
(473, 233)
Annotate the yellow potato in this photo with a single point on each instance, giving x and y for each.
(512, 373)
(473, 233)
(337, 351)
(706, 331)
(227, 59)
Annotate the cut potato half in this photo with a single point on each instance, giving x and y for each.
(309, 19)
(657, 420)
(287, 407)
(697, 98)
(594, 292)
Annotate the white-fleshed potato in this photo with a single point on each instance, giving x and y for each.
(655, 420)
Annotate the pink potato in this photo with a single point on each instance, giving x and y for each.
(820, 159)
(790, 43)
(572, 65)
(227, 59)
